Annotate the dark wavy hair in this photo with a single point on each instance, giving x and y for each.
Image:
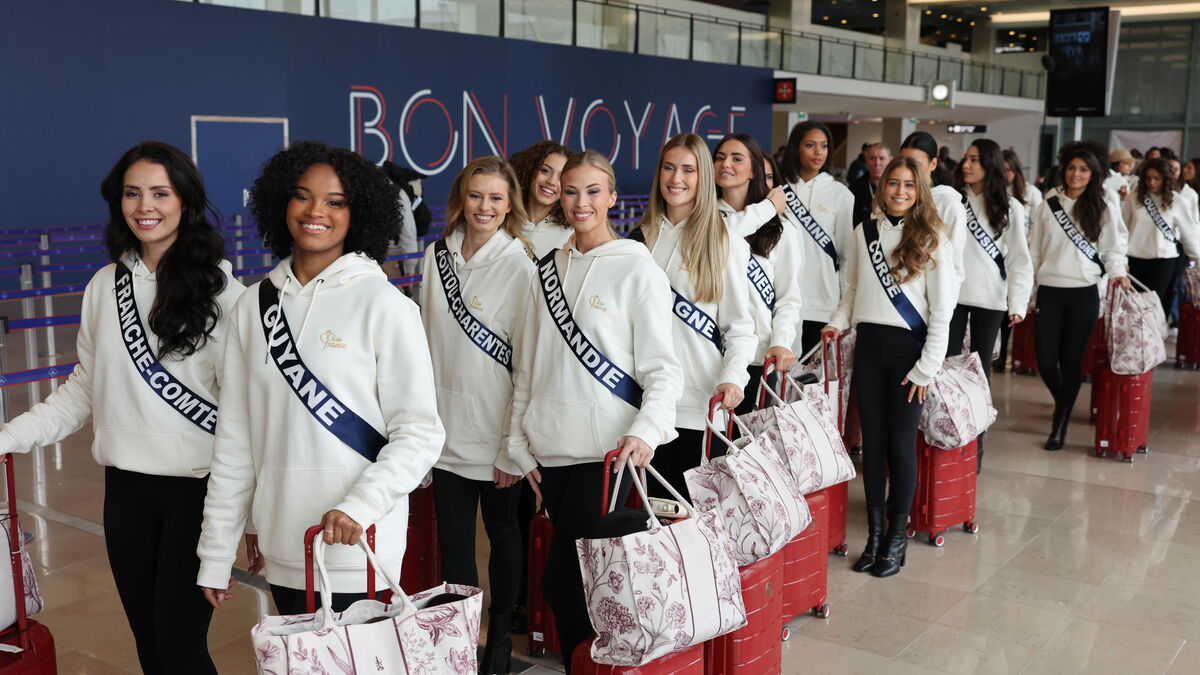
(526, 164)
(188, 278)
(766, 237)
(1019, 184)
(1089, 208)
(1195, 181)
(1163, 167)
(923, 227)
(791, 153)
(995, 185)
(370, 195)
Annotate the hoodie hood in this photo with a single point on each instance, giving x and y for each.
(501, 245)
(340, 273)
(616, 247)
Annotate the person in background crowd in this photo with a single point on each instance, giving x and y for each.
(1191, 200)
(902, 312)
(1077, 236)
(878, 155)
(539, 170)
(1029, 197)
(1153, 153)
(1162, 228)
(1191, 173)
(922, 149)
(770, 172)
(407, 242)
(329, 409)
(1137, 154)
(858, 168)
(943, 171)
(1120, 173)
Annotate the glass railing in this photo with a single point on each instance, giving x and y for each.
(660, 32)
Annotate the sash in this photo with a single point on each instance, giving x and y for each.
(985, 240)
(608, 374)
(804, 220)
(493, 345)
(761, 282)
(883, 271)
(698, 320)
(1159, 221)
(331, 413)
(1086, 247)
(176, 394)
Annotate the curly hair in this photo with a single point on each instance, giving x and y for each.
(526, 165)
(372, 199)
(923, 228)
(767, 236)
(1166, 193)
(188, 278)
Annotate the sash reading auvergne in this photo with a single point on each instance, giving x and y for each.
(1073, 233)
(804, 220)
(761, 283)
(883, 272)
(985, 240)
(176, 394)
(493, 345)
(1159, 221)
(334, 415)
(608, 374)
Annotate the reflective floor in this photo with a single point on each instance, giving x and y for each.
(1080, 565)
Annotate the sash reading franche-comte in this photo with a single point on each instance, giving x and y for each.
(760, 281)
(985, 240)
(330, 412)
(1158, 219)
(883, 271)
(1081, 242)
(804, 220)
(476, 331)
(194, 408)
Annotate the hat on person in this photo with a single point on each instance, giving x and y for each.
(1119, 156)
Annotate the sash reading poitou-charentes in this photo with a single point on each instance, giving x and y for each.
(476, 331)
(883, 272)
(1081, 242)
(1160, 222)
(321, 403)
(985, 240)
(608, 374)
(800, 215)
(194, 407)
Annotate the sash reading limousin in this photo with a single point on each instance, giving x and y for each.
(883, 271)
(1081, 242)
(608, 374)
(493, 345)
(804, 220)
(761, 283)
(985, 240)
(334, 415)
(176, 394)
(1159, 221)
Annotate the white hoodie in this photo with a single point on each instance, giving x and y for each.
(561, 415)
(274, 463)
(1056, 259)
(782, 267)
(983, 286)
(545, 236)
(832, 206)
(1147, 241)
(703, 366)
(134, 429)
(474, 391)
(950, 209)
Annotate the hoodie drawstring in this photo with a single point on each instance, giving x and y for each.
(308, 312)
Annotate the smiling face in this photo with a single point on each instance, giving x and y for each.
(1076, 176)
(318, 215)
(587, 197)
(899, 191)
(151, 206)
(972, 168)
(487, 203)
(678, 178)
(732, 164)
(813, 151)
(546, 185)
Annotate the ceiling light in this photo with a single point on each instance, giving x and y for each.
(843, 21)
(972, 23)
(875, 15)
(942, 16)
(983, 9)
(1012, 32)
(929, 11)
(824, 18)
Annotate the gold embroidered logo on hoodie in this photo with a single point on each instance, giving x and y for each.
(332, 341)
(597, 303)
(475, 304)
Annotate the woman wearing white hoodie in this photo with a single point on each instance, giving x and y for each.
(595, 370)
(539, 173)
(922, 149)
(331, 407)
(474, 299)
(712, 323)
(1161, 228)
(150, 339)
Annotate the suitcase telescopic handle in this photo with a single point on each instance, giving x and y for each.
(14, 548)
(769, 366)
(310, 595)
(610, 458)
(714, 404)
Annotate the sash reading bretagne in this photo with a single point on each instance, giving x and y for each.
(1160, 222)
(1081, 242)
(331, 413)
(760, 282)
(194, 407)
(804, 220)
(608, 374)
(985, 240)
(883, 271)
(493, 345)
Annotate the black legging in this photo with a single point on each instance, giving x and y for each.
(750, 393)
(810, 335)
(985, 326)
(1005, 332)
(883, 356)
(674, 458)
(1159, 276)
(1065, 320)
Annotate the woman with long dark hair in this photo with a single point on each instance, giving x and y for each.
(1028, 196)
(151, 333)
(1191, 173)
(1161, 228)
(1077, 237)
(539, 173)
(922, 149)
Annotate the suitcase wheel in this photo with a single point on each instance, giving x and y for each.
(785, 634)
(971, 527)
(937, 540)
(1101, 453)
(911, 533)
(822, 611)
(855, 450)
(1128, 459)
(537, 652)
(842, 550)
(1144, 450)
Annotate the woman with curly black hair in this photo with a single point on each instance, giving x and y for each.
(539, 172)
(332, 415)
(150, 340)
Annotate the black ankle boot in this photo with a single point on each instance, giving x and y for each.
(891, 558)
(876, 515)
(1058, 429)
(497, 653)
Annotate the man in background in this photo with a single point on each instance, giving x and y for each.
(877, 156)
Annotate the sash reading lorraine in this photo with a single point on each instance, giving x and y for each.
(608, 374)
(803, 219)
(174, 393)
(1064, 221)
(761, 282)
(883, 272)
(1159, 221)
(493, 345)
(331, 413)
(985, 240)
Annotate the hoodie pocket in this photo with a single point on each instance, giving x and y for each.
(289, 501)
(559, 428)
(153, 452)
(464, 428)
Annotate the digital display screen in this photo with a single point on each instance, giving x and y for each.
(1079, 47)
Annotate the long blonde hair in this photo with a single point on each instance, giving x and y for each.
(489, 165)
(923, 227)
(705, 240)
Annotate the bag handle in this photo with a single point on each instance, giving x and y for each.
(314, 548)
(713, 406)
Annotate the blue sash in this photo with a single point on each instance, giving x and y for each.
(761, 282)
(1161, 222)
(805, 221)
(698, 320)
(176, 394)
(493, 345)
(883, 271)
(608, 374)
(985, 240)
(332, 414)
(1081, 242)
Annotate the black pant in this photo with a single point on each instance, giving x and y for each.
(810, 335)
(151, 528)
(1159, 276)
(1005, 331)
(750, 393)
(883, 356)
(456, 500)
(572, 497)
(293, 600)
(1065, 320)
(674, 458)
(985, 326)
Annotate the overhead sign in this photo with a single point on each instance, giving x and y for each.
(785, 90)
(967, 128)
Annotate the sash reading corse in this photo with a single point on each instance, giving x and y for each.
(985, 240)
(334, 415)
(761, 282)
(1064, 221)
(895, 294)
(176, 394)
(608, 374)
(493, 345)
(804, 220)
(1159, 221)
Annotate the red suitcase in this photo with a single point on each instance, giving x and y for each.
(755, 647)
(806, 565)
(1187, 343)
(422, 566)
(543, 637)
(690, 661)
(838, 495)
(1024, 356)
(34, 639)
(1123, 416)
(945, 490)
(1098, 352)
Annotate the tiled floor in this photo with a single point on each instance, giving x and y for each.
(1081, 564)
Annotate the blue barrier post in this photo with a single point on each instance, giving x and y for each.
(31, 350)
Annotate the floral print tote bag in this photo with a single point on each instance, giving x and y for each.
(1137, 330)
(958, 403)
